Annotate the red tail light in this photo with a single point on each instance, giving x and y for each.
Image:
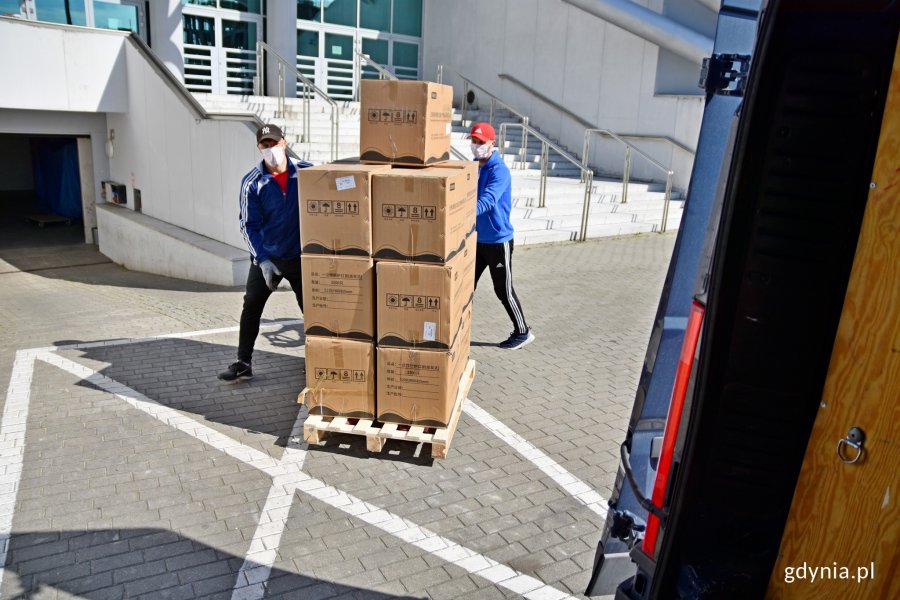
(673, 422)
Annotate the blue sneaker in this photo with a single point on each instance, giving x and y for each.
(517, 340)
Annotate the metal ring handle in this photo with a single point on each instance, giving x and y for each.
(840, 451)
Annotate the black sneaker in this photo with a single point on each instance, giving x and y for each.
(517, 340)
(238, 370)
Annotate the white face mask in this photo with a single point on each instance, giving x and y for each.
(481, 151)
(273, 156)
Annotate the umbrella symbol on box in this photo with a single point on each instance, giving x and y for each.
(406, 300)
(332, 374)
(325, 207)
(385, 115)
(401, 211)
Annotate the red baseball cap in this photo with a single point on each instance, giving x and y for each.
(483, 132)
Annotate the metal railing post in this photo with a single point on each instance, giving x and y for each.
(465, 101)
(502, 139)
(440, 74)
(626, 174)
(493, 110)
(665, 215)
(586, 209)
(585, 149)
(259, 71)
(280, 91)
(545, 158)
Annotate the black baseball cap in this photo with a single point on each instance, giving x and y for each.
(269, 132)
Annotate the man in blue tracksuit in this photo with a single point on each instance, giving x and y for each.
(495, 231)
(270, 224)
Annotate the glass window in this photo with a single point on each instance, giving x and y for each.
(406, 55)
(12, 8)
(341, 12)
(123, 17)
(56, 11)
(408, 17)
(251, 6)
(200, 2)
(199, 31)
(307, 42)
(338, 46)
(375, 14)
(309, 10)
(376, 49)
(239, 34)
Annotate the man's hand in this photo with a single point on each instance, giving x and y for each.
(269, 271)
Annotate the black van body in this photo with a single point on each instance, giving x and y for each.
(795, 96)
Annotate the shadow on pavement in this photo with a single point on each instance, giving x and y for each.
(146, 563)
(182, 374)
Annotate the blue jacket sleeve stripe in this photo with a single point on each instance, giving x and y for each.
(246, 189)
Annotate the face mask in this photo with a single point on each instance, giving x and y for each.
(481, 150)
(273, 156)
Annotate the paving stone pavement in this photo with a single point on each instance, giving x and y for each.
(144, 476)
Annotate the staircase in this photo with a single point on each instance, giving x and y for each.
(558, 221)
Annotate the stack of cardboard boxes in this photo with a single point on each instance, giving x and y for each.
(389, 259)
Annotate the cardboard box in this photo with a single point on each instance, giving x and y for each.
(423, 215)
(421, 305)
(340, 377)
(336, 208)
(404, 122)
(469, 165)
(420, 386)
(339, 296)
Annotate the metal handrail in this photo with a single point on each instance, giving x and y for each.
(546, 144)
(308, 89)
(383, 73)
(626, 172)
(495, 101)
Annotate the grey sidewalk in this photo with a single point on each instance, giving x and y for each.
(142, 475)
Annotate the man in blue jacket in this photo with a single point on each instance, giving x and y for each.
(495, 231)
(270, 224)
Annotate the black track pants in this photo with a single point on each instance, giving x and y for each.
(255, 301)
(498, 258)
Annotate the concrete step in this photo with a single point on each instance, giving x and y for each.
(530, 224)
(523, 238)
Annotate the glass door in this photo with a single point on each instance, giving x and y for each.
(121, 15)
(220, 49)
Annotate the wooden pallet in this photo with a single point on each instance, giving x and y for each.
(317, 427)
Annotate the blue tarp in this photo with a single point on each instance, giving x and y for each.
(56, 180)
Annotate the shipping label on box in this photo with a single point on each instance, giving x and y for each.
(420, 387)
(404, 122)
(340, 377)
(336, 208)
(338, 296)
(422, 305)
(423, 215)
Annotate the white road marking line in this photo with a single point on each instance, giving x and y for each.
(12, 444)
(565, 480)
(443, 548)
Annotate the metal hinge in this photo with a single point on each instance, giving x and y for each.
(725, 74)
